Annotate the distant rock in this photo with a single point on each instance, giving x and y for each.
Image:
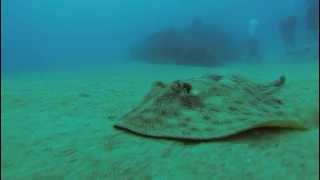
(196, 44)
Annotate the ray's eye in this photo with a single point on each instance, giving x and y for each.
(187, 87)
(177, 86)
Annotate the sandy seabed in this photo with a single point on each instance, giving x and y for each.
(58, 125)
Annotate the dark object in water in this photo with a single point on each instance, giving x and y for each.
(213, 110)
(288, 29)
(196, 44)
(254, 48)
(312, 14)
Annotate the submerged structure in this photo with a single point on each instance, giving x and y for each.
(312, 15)
(209, 107)
(196, 44)
(288, 28)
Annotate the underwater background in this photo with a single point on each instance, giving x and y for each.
(71, 69)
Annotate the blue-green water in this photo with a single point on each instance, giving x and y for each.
(71, 69)
(40, 34)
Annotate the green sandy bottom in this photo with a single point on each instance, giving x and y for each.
(59, 126)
